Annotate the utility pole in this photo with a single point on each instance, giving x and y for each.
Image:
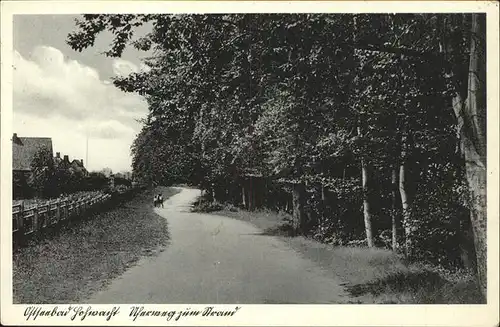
(87, 151)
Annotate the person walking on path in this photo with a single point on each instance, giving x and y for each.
(160, 199)
(155, 201)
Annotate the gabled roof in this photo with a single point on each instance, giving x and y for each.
(77, 163)
(58, 161)
(24, 149)
(78, 166)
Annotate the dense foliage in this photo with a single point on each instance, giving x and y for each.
(49, 179)
(43, 180)
(349, 120)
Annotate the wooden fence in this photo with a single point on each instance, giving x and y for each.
(31, 219)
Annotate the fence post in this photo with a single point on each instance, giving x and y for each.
(46, 216)
(50, 217)
(35, 218)
(20, 220)
(62, 206)
(58, 210)
(62, 211)
(42, 218)
(71, 209)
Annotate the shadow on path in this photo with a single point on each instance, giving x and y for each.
(284, 230)
(399, 282)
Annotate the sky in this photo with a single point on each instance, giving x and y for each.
(68, 95)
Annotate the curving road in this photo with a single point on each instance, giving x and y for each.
(219, 260)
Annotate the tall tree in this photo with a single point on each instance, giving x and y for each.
(282, 94)
(471, 114)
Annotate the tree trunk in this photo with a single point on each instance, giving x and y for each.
(250, 194)
(210, 193)
(366, 203)
(403, 189)
(476, 178)
(471, 117)
(324, 210)
(365, 179)
(298, 215)
(405, 204)
(287, 203)
(312, 216)
(244, 194)
(219, 193)
(394, 210)
(474, 142)
(257, 191)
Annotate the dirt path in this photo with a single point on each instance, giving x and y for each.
(215, 259)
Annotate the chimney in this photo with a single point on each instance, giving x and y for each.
(66, 158)
(81, 160)
(58, 155)
(16, 139)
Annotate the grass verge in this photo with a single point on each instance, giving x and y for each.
(84, 257)
(369, 275)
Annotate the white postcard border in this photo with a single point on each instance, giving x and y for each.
(258, 315)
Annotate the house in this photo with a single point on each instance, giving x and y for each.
(60, 162)
(24, 150)
(75, 166)
(78, 167)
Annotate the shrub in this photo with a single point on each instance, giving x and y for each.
(208, 207)
(438, 219)
(340, 219)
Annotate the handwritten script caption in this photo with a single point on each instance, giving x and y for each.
(72, 312)
(136, 312)
(141, 312)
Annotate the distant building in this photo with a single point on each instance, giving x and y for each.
(111, 183)
(61, 162)
(107, 172)
(24, 150)
(125, 175)
(75, 166)
(78, 167)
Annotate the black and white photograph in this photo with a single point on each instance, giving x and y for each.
(228, 159)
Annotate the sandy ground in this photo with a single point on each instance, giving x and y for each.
(215, 259)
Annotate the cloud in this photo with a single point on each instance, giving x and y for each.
(51, 85)
(145, 68)
(123, 67)
(54, 96)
